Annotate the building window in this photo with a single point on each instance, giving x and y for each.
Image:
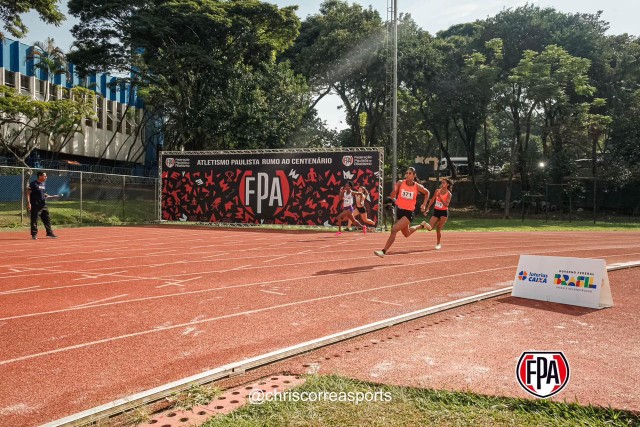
(109, 123)
(66, 93)
(53, 91)
(88, 122)
(100, 110)
(9, 78)
(25, 83)
(41, 85)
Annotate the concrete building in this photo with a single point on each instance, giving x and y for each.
(115, 136)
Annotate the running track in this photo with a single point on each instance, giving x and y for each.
(102, 313)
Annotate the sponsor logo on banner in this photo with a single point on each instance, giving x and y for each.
(363, 160)
(177, 162)
(533, 277)
(576, 280)
(543, 373)
(347, 160)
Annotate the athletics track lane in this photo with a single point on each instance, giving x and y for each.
(119, 310)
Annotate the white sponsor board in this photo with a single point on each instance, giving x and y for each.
(576, 281)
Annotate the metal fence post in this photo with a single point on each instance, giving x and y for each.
(595, 196)
(21, 196)
(546, 199)
(124, 184)
(569, 205)
(81, 179)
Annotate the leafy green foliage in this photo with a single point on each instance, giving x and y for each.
(10, 11)
(25, 121)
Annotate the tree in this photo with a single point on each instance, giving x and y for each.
(341, 50)
(10, 12)
(24, 121)
(205, 68)
(48, 58)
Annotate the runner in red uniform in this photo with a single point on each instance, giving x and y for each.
(441, 199)
(406, 192)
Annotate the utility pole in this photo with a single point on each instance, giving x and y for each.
(394, 127)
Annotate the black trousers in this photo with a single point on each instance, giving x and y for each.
(43, 212)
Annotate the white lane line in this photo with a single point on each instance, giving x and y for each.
(242, 267)
(164, 264)
(99, 301)
(167, 278)
(98, 275)
(178, 282)
(12, 291)
(216, 255)
(386, 302)
(244, 313)
(272, 292)
(275, 259)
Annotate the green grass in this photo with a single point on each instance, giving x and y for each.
(418, 407)
(481, 224)
(67, 213)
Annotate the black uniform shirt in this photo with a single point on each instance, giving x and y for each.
(37, 196)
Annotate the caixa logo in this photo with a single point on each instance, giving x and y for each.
(543, 373)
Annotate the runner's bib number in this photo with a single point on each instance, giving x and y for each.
(407, 194)
(439, 204)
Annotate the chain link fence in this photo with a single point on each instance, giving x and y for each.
(575, 199)
(87, 198)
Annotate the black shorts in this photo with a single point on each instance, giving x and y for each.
(362, 210)
(440, 213)
(404, 213)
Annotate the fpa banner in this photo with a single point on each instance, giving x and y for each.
(577, 281)
(266, 187)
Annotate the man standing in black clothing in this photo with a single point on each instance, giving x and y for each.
(37, 205)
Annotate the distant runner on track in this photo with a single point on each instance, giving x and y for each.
(361, 210)
(441, 200)
(347, 198)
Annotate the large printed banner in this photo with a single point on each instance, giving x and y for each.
(272, 187)
(577, 281)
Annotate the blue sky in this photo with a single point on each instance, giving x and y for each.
(433, 16)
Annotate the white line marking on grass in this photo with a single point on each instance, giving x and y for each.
(99, 301)
(228, 316)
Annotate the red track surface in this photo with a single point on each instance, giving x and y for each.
(100, 314)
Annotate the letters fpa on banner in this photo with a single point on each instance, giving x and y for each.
(266, 186)
(576, 281)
